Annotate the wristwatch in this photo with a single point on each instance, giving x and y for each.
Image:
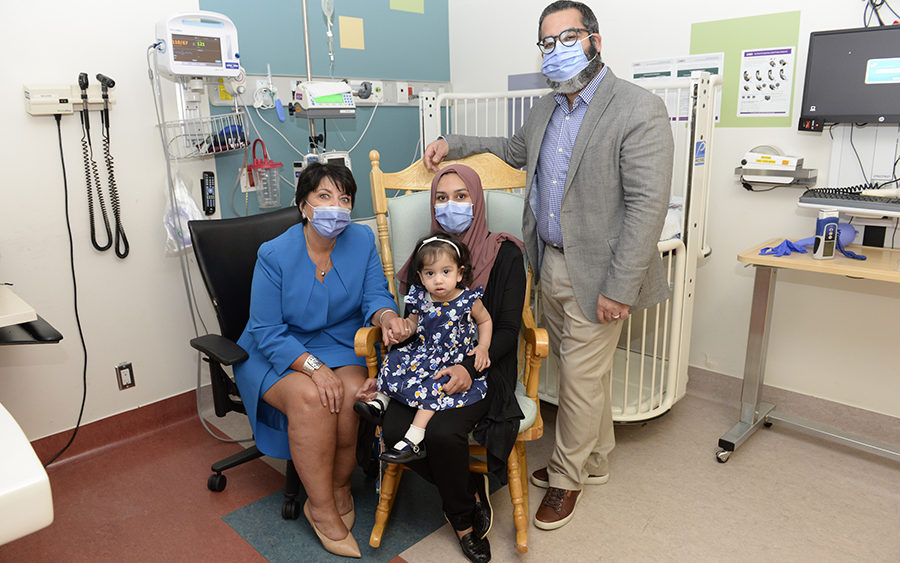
(311, 364)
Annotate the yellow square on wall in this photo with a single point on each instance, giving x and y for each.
(415, 6)
(351, 31)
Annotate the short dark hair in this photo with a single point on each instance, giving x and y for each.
(588, 19)
(313, 175)
(427, 253)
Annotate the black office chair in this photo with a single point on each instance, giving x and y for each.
(226, 254)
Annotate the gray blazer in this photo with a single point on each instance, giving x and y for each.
(616, 194)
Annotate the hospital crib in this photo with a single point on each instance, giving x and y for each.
(649, 372)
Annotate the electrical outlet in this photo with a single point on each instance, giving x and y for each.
(125, 375)
(402, 89)
(245, 182)
(377, 91)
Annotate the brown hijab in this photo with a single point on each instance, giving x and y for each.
(483, 245)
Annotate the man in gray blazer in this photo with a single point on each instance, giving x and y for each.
(598, 154)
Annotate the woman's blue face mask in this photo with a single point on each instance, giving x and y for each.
(330, 221)
(564, 62)
(453, 217)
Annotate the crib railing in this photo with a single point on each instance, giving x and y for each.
(645, 370)
(649, 372)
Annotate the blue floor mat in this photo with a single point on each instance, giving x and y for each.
(416, 513)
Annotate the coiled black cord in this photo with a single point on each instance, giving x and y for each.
(122, 246)
(92, 175)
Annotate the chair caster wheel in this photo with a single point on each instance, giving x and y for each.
(216, 482)
(767, 423)
(722, 456)
(290, 509)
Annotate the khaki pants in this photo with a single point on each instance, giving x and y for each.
(584, 426)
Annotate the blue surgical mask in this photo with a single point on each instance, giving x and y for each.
(330, 221)
(564, 62)
(453, 217)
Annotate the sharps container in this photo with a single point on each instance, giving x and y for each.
(264, 176)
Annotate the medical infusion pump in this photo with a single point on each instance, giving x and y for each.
(329, 157)
(197, 44)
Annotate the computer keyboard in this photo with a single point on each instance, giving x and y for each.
(850, 201)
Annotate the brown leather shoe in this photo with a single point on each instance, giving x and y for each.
(556, 509)
(540, 478)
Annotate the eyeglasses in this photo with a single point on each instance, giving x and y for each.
(568, 38)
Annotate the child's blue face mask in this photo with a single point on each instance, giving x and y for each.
(564, 62)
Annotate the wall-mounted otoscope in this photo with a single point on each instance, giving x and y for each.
(121, 242)
(91, 173)
(85, 118)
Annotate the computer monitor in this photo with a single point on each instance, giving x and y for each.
(852, 76)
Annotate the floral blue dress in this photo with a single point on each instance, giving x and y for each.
(444, 335)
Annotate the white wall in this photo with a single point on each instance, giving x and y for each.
(831, 337)
(132, 310)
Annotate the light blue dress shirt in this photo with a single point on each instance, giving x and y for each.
(553, 160)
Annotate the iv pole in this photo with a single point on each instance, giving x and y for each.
(313, 145)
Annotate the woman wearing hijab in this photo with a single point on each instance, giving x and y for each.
(457, 206)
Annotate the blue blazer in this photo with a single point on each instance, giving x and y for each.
(291, 312)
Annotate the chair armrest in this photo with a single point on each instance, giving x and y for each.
(535, 336)
(219, 349)
(364, 345)
(539, 341)
(366, 339)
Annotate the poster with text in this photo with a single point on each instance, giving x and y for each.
(765, 82)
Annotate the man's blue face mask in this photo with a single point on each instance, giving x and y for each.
(564, 62)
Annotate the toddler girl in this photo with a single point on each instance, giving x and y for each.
(442, 311)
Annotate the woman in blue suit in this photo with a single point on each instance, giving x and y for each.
(313, 287)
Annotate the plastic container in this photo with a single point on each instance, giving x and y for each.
(264, 176)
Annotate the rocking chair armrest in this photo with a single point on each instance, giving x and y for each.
(538, 342)
(366, 339)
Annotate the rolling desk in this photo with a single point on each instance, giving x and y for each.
(881, 264)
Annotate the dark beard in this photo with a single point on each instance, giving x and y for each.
(580, 80)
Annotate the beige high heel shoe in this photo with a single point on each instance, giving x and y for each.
(346, 547)
(350, 518)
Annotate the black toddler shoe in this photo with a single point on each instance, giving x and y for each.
(369, 412)
(412, 453)
(475, 549)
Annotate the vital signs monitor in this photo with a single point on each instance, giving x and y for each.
(198, 44)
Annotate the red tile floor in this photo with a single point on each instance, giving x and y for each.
(145, 499)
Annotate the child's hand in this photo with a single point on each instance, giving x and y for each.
(482, 359)
(397, 331)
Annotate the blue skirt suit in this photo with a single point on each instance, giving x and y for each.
(292, 312)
